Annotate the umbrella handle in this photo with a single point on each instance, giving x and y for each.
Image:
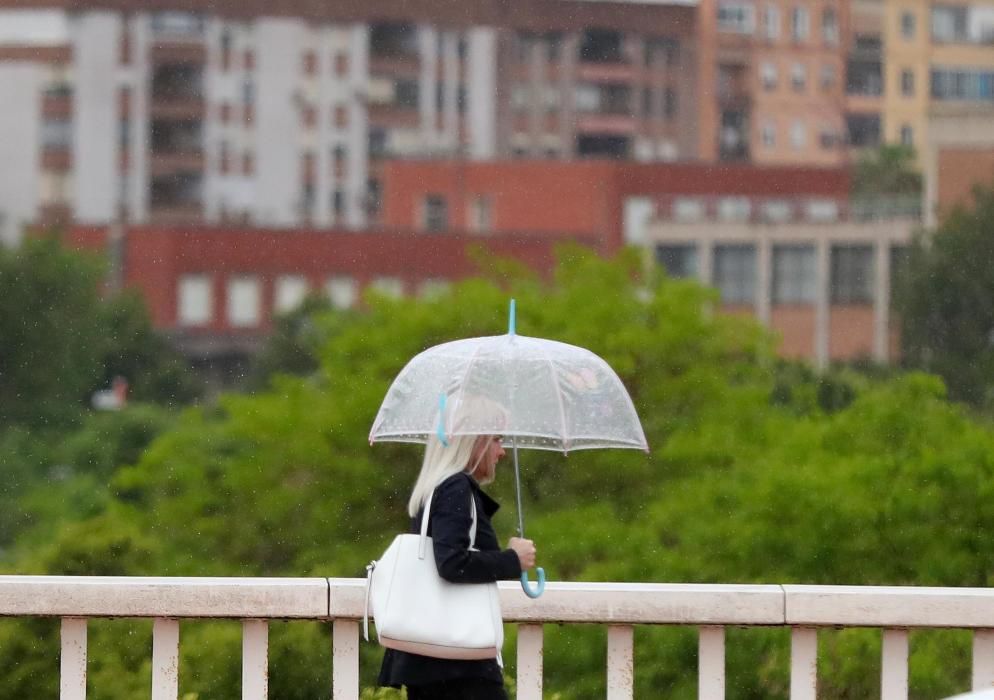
(526, 584)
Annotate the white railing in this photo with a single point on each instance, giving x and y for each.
(620, 606)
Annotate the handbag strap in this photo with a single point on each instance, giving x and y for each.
(424, 524)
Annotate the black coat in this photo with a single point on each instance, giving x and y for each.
(448, 526)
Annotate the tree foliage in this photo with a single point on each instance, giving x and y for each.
(62, 341)
(947, 302)
(759, 472)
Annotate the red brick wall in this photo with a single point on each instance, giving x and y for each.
(795, 324)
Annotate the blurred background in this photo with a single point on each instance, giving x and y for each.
(225, 226)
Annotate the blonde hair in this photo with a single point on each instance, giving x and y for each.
(439, 464)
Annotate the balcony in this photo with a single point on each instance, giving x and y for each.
(618, 606)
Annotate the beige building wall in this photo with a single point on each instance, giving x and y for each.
(822, 329)
(805, 117)
(907, 49)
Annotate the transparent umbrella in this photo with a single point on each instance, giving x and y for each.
(536, 393)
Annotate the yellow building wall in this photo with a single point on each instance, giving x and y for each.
(911, 53)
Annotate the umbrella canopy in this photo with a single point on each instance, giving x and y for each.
(533, 392)
(536, 393)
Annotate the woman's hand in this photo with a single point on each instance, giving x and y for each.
(525, 549)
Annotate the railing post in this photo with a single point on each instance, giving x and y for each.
(530, 657)
(620, 662)
(165, 659)
(983, 659)
(711, 663)
(803, 663)
(72, 682)
(894, 672)
(345, 660)
(255, 659)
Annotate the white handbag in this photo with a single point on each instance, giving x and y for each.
(417, 611)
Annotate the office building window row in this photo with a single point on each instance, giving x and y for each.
(244, 305)
(690, 209)
(793, 270)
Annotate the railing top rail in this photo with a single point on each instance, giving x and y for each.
(126, 596)
(601, 603)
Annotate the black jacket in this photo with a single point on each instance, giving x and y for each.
(448, 526)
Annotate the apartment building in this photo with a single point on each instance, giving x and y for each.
(282, 116)
(776, 70)
(911, 61)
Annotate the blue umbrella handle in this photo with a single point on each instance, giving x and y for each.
(526, 584)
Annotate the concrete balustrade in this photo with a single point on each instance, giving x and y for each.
(619, 606)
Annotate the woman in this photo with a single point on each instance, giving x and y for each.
(455, 473)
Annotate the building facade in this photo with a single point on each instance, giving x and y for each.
(776, 70)
(283, 116)
(777, 242)
(913, 61)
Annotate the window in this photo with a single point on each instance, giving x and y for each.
(798, 76)
(830, 26)
(852, 274)
(389, 286)
(768, 75)
(827, 78)
(907, 135)
(435, 213)
(736, 17)
(553, 46)
(56, 133)
(601, 46)
(481, 214)
(688, 209)
(669, 103)
(587, 98)
(520, 96)
(828, 138)
(338, 203)
(289, 293)
(679, 260)
(196, 300)
(907, 25)
(771, 22)
(735, 273)
(800, 24)
(822, 210)
(798, 134)
(768, 133)
(248, 93)
(776, 211)
(341, 291)
(953, 84)
(907, 83)
(663, 50)
(794, 274)
(433, 288)
(406, 94)
(377, 142)
(734, 209)
(244, 296)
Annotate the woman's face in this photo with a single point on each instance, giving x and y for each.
(487, 451)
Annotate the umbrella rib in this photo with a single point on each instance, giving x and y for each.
(465, 374)
(559, 397)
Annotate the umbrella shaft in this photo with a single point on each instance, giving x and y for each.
(517, 489)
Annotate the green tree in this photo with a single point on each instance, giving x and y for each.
(889, 170)
(947, 302)
(62, 341)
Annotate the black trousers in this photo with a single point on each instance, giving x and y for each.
(462, 689)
